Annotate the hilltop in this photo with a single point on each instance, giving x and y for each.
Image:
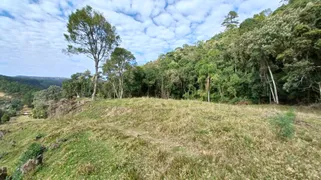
(144, 138)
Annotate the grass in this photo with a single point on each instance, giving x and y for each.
(284, 124)
(146, 138)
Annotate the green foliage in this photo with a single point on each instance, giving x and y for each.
(121, 61)
(230, 20)
(5, 118)
(284, 125)
(91, 34)
(15, 87)
(80, 85)
(43, 98)
(39, 112)
(32, 152)
(271, 57)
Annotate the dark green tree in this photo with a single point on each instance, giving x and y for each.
(121, 61)
(230, 20)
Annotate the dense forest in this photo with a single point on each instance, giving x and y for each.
(273, 57)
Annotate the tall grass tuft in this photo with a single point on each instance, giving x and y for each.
(283, 124)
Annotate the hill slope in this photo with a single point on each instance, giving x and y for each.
(11, 86)
(167, 139)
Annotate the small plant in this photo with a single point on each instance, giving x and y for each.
(284, 124)
(33, 151)
(5, 118)
(39, 112)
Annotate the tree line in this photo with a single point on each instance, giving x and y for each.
(272, 57)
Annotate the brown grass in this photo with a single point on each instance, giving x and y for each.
(147, 138)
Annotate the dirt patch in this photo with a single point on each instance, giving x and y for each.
(3, 95)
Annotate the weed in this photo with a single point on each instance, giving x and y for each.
(284, 124)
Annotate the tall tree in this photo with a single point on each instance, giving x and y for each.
(230, 20)
(91, 34)
(121, 61)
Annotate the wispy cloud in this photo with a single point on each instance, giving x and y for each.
(31, 31)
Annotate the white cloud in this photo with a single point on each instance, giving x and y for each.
(32, 42)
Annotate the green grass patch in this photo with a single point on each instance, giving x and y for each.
(284, 124)
(33, 151)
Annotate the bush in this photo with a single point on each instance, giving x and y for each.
(5, 118)
(39, 112)
(33, 151)
(284, 124)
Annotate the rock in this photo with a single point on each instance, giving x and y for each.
(3, 173)
(39, 159)
(29, 166)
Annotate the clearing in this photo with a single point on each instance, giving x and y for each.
(145, 138)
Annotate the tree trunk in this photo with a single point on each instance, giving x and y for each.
(274, 85)
(208, 83)
(115, 90)
(162, 89)
(95, 80)
(121, 88)
(320, 89)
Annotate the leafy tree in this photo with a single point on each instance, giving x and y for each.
(121, 61)
(80, 85)
(42, 98)
(230, 20)
(91, 34)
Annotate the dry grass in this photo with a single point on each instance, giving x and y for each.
(167, 139)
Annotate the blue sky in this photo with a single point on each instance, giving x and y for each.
(31, 31)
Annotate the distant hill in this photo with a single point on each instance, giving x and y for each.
(21, 85)
(10, 85)
(40, 82)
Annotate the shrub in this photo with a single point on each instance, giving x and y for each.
(284, 124)
(5, 118)
(32, 152)
(39, 112)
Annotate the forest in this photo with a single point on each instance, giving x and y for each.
(273, 57)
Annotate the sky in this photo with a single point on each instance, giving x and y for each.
(31, 31)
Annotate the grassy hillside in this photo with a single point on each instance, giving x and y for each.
(168, 139)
